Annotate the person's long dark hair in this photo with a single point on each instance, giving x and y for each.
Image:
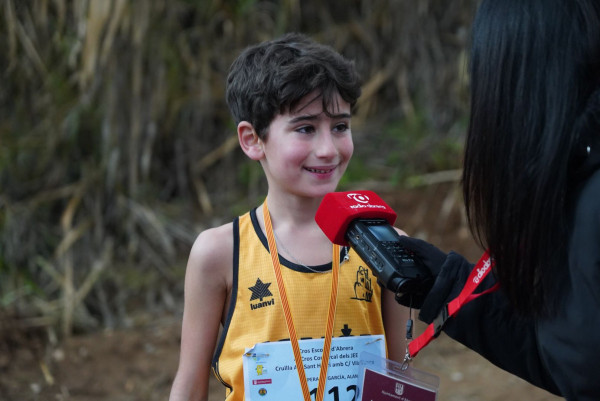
(534, 66)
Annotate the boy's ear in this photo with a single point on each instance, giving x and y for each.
(250, 142)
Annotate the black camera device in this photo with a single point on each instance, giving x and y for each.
(395, 267)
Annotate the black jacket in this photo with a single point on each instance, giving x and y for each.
(560, 354)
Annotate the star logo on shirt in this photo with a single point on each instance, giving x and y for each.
(260, 290)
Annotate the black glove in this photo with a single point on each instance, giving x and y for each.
(448, 284)
(432, 258)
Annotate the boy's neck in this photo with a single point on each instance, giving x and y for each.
(293, 210)
(293, 222)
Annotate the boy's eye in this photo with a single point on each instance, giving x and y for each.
(341, 127)
(306, 129)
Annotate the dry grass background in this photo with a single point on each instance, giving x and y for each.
(116, 147)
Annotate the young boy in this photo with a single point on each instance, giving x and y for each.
(292, 101)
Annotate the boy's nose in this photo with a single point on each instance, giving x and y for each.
(326, 145)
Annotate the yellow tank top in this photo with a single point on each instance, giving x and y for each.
(255, 313)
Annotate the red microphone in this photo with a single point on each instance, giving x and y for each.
(364, 221)
(338, 209)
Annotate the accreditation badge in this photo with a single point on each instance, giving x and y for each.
(381, 379)
(270, 370)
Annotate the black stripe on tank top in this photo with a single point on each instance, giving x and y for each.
(284, 262)
(234, 289)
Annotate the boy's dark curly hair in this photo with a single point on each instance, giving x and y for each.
(272, 77)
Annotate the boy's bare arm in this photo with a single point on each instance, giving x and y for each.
(207, 284)
(394, 321)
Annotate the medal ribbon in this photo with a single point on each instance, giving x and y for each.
(481, 270)
(288, 313)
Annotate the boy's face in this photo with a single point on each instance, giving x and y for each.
(306, 152)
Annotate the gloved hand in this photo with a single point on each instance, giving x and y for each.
(448, 284)
(432, 258)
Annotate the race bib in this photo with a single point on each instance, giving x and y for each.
(270, 370)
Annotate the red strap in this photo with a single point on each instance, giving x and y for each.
(481, 270)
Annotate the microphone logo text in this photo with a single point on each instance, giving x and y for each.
(358, 197)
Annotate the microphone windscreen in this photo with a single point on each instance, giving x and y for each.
(338, 209)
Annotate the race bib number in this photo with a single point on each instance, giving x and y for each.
(270, 369)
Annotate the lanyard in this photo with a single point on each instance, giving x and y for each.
(288, 314)
(481, 270)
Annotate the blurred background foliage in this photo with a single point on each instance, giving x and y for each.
(116, 145)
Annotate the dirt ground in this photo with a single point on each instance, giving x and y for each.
(136, 365)
(139, 364)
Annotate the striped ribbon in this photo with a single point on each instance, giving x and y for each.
(288, 313)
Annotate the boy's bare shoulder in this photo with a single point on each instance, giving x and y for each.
(213, 249)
